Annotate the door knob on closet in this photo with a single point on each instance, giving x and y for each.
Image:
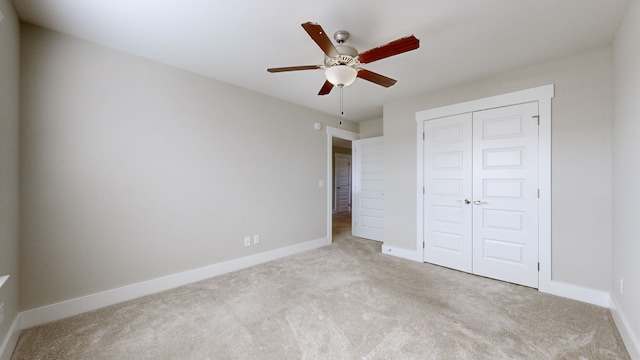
(466, 201)
(478, 202)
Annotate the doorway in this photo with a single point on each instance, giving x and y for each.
(339, 141)
(342, 167)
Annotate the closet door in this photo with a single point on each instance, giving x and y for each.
(447, 192)
(481, 193)
(505, 194)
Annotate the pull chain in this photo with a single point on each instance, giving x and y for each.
(341, 102)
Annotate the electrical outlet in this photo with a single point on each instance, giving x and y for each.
(247, 241)
(621, 286)
(1, 313)
(256, 239)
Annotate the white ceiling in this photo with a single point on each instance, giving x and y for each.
(236, 41)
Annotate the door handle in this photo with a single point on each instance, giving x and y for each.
(466, 201)
(478, 202)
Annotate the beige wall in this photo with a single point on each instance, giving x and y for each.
(132, 170)
(9, 120)
(371, 128)
(626, 169)
(581, 156)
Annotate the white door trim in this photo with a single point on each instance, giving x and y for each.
(341, 134)
(543, 96)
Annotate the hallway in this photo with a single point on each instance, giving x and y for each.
(341, 226)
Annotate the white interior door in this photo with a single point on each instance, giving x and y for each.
(481, 193)
(448, 192)
(505, 191)
(342, 183)
(368, 189)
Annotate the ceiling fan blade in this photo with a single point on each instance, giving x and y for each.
(326, 88)
(376, 78)
(396, 47)
(320, 37)
(294, 68)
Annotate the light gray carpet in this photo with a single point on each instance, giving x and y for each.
(345, 301)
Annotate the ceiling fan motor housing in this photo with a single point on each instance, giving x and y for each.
(346, 56)
(341, 36)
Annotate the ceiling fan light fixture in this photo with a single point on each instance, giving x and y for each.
(341, 75)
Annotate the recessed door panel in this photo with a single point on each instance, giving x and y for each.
(502, 158)
(371, 222)
(447, 214)
(502, 251)
(502, 219)
(502, 188)
(500, 128)
(446, 187)
(448, 242)
(452, 133)
(447, 161)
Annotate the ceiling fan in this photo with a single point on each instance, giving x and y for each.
(342, 62)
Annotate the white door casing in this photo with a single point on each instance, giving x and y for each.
(342, 183)
(368, 189)
(448, 192)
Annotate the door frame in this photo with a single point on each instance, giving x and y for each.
(341, 134)
(543, 96)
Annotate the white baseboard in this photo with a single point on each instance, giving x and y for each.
(629, 338)
(11, 340)
(576, 292)
(83, 304)
(570, 291)
(402, 253)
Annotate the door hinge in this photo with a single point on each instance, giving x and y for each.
(423, 191)
(538, 266)
(423, 244)
(538, 193)
(536, 117)
(423, 136)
